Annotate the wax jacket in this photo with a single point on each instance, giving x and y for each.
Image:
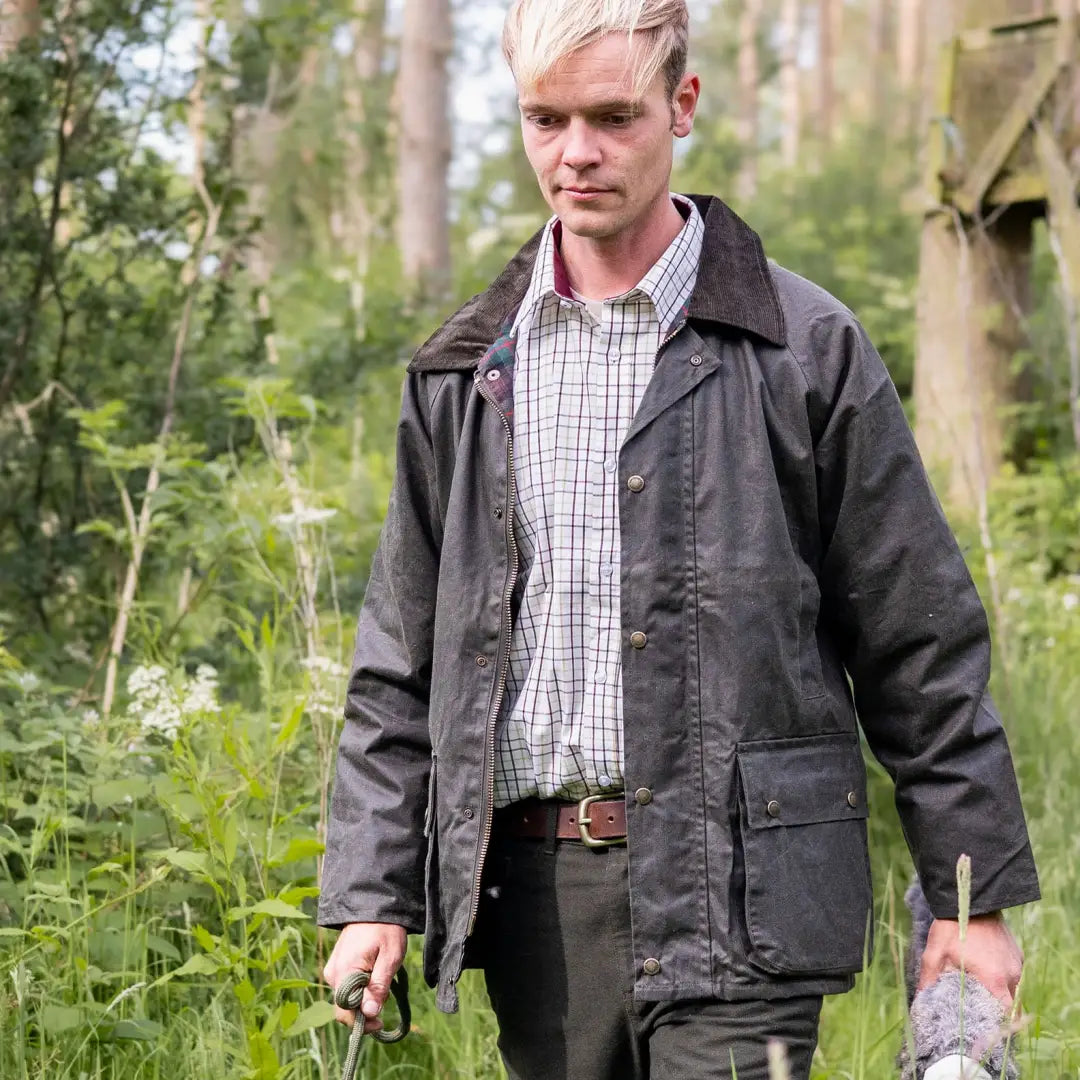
(779, 536)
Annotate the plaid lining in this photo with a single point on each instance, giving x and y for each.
(576, 386)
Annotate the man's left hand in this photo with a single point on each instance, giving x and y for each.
(990, 953)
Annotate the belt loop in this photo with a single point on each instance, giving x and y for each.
(551, 830)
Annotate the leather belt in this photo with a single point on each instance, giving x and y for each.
(598, 821)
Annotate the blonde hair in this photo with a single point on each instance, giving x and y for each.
(540, 33)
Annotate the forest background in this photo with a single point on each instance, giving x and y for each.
(208, 290)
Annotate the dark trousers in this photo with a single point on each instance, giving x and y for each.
(554, 942)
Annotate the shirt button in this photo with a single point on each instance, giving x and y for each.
(604, 780)
(614, 355)
(607, 570)
(651, 966)
(610, 465)
(636, 484)
(601, 677)
(639, 640)
(643, 796)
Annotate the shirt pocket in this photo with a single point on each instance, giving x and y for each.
(802, 815)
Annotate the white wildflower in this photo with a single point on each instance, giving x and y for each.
(305, 515)
(201, 691)
(154, 702)
(322, 702)
(91, 717)
(324, 665)
(1070, 601)
(1014, 595)
(27, 681)
(1050, 642)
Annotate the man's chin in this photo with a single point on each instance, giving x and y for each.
(589, 222)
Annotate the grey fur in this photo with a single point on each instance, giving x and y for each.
(936, 1010)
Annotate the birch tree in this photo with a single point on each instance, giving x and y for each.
(790, 99)
(749, 80)
(18, 20)
(424, 146)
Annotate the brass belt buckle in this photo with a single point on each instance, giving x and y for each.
(584, 821)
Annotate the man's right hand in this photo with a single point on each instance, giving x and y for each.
(375, 947)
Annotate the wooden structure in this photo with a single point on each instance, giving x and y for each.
(1006, 130)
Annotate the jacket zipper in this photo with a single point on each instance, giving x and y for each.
(486, 810)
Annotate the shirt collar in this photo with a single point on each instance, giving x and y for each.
(668, 284)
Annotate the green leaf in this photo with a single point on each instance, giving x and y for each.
(205, 938)
(194, 862)
(11, 931)
(245, 992)
(300, 848)
(200, 964)
(263, 1058)
(162, 947)
(117, 791)
(314, 1016)
(141, 1029)
(276, 909)
(57, 1018)
(289, 728)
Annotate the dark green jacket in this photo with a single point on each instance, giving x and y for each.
(778, 536)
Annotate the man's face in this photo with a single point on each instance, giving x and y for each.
(602, 157)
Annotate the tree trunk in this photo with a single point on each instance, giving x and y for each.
(424, 146)
(18, 19)
(974, 290)
(749, 80)
(360, 94)
(790, 107)
(909, 43)
(826, 99)
(877, 44)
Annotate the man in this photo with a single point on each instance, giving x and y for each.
(656, 500)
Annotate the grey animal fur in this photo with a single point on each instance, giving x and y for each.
(935, 1011)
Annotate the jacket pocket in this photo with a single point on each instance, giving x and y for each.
(808, 898)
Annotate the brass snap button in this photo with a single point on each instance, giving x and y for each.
(643, 796)
(697, 360)
(481, 661)
(636, 484)
(651, 966)
(852, 800)
(773, 809)
(639, 640)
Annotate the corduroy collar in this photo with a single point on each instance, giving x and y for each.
(734, 288)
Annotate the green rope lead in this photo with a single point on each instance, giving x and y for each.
(350, 993)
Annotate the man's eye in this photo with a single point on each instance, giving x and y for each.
(620, 119)
(542, 122)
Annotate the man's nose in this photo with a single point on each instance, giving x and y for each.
(582, 147)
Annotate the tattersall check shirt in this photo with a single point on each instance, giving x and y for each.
(579, 375)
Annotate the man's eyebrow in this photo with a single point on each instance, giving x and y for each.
(622, 105)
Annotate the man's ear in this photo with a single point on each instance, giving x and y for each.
(684, 106)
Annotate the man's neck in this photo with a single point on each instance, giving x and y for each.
(609, 266)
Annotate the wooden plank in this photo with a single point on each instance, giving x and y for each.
(969, 197)
(937, 157)
(1020, 188)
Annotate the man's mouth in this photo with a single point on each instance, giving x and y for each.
(585, 194)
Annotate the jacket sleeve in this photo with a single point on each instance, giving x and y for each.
(914, 638)
(374, 865)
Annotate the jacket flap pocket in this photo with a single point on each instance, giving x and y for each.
(802, 781)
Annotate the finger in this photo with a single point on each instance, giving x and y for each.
(344, 1016)
(382, 974)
